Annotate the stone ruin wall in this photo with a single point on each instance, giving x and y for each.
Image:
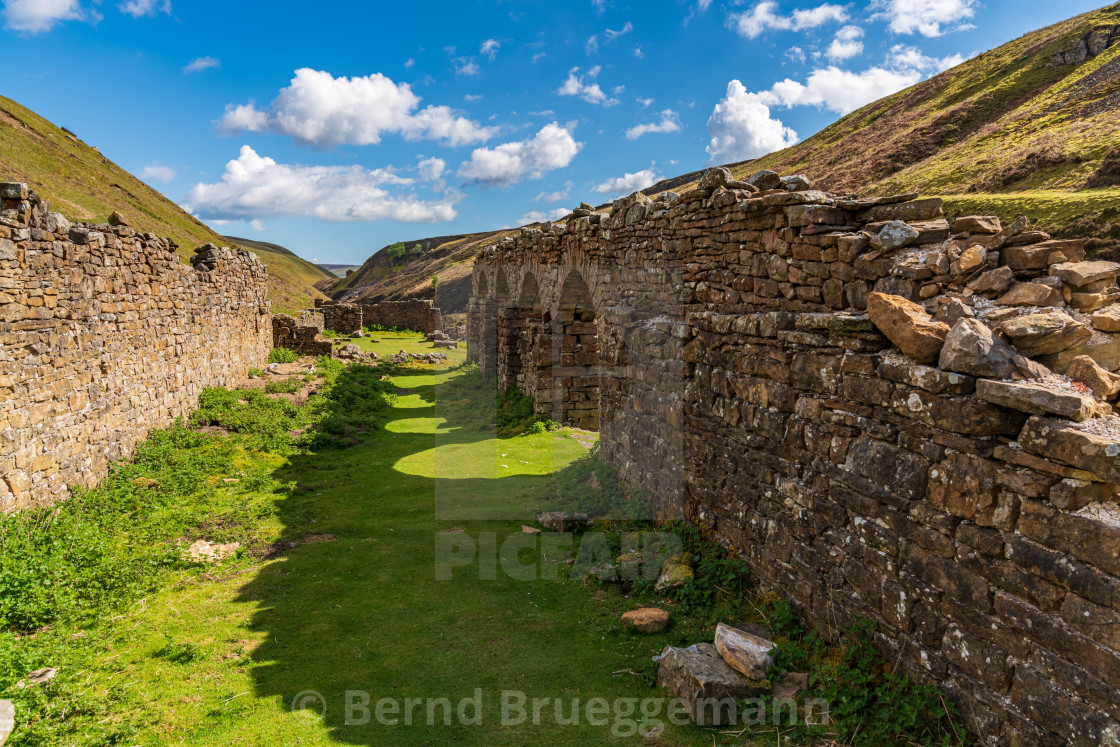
(301, 335)
(418, 314)
(742, 386)
(421, 315)
(105, 334)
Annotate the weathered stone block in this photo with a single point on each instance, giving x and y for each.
(704, 682)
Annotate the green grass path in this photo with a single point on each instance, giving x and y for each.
(365, 612)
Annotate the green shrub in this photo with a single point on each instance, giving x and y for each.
(259, 373)
(389, 328)
(249, 412)
(284, 386)
(281, 355)
(869, 704)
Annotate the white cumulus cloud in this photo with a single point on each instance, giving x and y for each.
(138, 8)
(846, 44)
(589, 92)
(202, 63)
(255, 186)
(927, 17)
(431, 169)
(628, 183)
(670, 122)
(321, 110)
(553, 147)
(741, 127)
(490, 48)
(843, 91)
(763, 16)
(157, 173)
(540, 216)
(612, 34)
(37, 16)
(560, 194)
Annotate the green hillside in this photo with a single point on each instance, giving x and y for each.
(299, 292)
(83, 185)
(385, 277)
(1036, 116)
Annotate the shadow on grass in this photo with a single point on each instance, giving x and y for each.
(365, 615)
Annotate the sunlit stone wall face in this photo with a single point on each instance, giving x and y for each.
(105, 334)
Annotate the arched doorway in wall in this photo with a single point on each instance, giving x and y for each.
(487, 343)
(509, 331)
(577, 377)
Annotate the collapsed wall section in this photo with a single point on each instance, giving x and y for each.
(959, 491)
(105, 334)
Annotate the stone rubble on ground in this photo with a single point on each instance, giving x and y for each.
(705, 683)
(7, 720)
(559, 521)
(747, 654)
(202, 551)
(646, 619)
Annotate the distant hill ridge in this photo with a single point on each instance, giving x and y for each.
(86, 186)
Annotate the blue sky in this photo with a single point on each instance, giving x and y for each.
(335, 129)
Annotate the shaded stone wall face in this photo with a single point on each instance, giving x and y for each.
(105, 334)
(302, 335)
(343, 318)
(743, 386)
(420, 315)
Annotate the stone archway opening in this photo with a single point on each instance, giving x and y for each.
(578, 373)
(533, 374)
(510, 329)
(484, 314)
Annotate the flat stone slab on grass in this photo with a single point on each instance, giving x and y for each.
(646, 619)
(1036, 398)
(704, 682)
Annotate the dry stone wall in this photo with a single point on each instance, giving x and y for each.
(300, 335)
(418, 314)
(344, 318)
(105, 334)
(891, 415)
(421, 315)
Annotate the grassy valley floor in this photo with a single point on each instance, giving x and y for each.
(352, 492)
(219, 657)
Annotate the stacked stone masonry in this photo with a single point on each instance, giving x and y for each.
(417, 314)
(105, 334)
(302, 336)
(344, 318)
(421, 315)
(961, 495)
